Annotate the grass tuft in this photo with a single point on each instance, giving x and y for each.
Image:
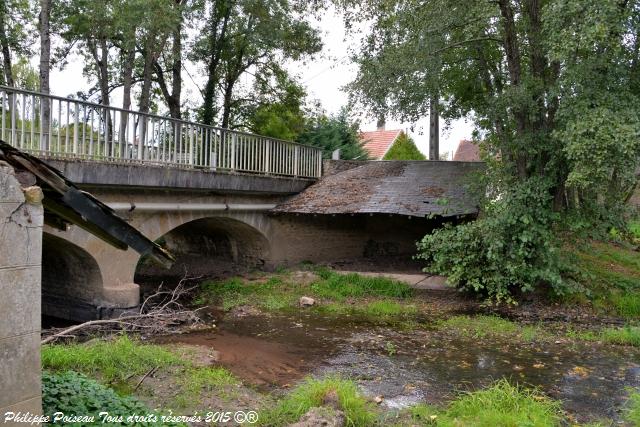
(113, 361)
(501, 405)
(340, 286)
(632, 409)
(629, 335)
(311, 393)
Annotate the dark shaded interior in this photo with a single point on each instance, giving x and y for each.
(70, 280)
(206, 248)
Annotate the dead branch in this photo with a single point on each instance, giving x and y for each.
(149, 372)
(159, 313)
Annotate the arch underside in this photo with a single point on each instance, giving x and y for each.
(213, 247)
(71, 280)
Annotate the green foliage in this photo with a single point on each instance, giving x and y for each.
(404, 149)
(554, 93)
(276, 109)
(510, 250)
(74, 394)
(311, 393)
(113, 361)
(332, 133)
(501, 405)
(241, 38)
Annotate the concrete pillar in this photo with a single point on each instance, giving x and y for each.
(21, 219)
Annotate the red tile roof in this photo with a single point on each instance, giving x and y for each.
(467, 151)
(378, 142)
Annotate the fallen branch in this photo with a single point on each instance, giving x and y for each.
(149, 372)
(157, 314)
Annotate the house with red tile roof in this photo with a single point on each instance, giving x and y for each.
(379, 141)
(467, 151)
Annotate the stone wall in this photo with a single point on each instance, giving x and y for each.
(346, 239)
(21, 219)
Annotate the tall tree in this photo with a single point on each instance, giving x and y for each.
(15, 17)
(550, 86)
(45, 63)
(334, 133)
(248, 37)
(172, 91)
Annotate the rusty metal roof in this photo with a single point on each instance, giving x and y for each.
(64, 204)
(411, 188)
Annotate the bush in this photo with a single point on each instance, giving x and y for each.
(511, 249)
(74, 394)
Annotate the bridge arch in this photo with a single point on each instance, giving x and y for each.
(209, 246)
(71, 280)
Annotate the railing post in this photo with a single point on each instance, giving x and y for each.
(267, 157)
(296, 154)
(140, 136)
(75, 130)
(233, 151)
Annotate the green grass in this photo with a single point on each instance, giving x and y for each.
(481, 326)
(634, 228)
(501, 405)
(381, 309)
(374, 298)
(311, 393)
(626, 305)
(113, 361)
(195, 381)
(609, 275)
(628, 335)
(608, 265)
(338, 287)
(632, 409)
(119, 363)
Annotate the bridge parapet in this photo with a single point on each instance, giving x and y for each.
(72, 129)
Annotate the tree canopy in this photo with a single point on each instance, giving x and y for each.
(332, 133)
(552, 87)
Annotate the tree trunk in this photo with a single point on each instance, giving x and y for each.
(174, 100)
(173, 97)
(4, 44)
(226, 112)
(216, 40)
(127, 83)
(434, 130)
(45, 63)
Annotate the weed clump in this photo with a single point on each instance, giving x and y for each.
(501, 405)
(312, 393)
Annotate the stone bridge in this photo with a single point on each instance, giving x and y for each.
(221, 201)
(219, 224)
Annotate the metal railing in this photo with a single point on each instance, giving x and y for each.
(67, 128)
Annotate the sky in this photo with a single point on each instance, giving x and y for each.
(324, 76)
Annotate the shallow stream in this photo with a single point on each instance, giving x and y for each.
(425, 364)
